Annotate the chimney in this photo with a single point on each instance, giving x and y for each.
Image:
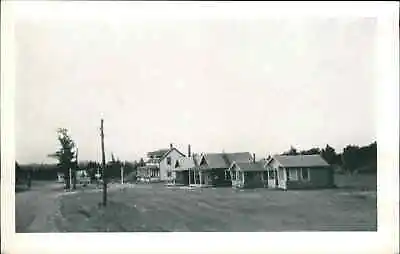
(171, 146)
(254, 158)
(189, 151)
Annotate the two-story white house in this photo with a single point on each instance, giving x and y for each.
(159, 165)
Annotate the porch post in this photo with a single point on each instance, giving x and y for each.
(200, 178)
(189, 175)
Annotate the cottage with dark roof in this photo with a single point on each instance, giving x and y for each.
(248, 174)
(298, 171)
(159, 165)
(213, 168)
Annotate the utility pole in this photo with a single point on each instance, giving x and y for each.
(76, 168)
(103, 159)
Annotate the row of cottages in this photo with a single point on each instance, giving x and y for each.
(241, 170)
(283, 172)
(159, 165)
(208, 169)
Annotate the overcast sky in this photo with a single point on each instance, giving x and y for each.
(238, 85)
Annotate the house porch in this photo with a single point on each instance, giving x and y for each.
(148, 174)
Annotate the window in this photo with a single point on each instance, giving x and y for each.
(293, 174)
(305, 174)
(177, 164)
(168, 160)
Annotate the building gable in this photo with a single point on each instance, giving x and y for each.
(170, 150)
(271, 163)
(203, 161)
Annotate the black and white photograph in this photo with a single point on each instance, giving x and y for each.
(187, 123)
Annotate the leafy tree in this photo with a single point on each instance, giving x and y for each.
(141, 162)
(130, 167)
(65, 155)
(349, 158)
(130, 171)
(329, 154)
(311, 151)
(292, 151)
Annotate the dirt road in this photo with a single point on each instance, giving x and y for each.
(37, 209)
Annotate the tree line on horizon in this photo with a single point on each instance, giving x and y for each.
(353, 159)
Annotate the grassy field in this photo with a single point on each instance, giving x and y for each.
(155, 207)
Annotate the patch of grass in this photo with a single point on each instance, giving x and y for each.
(356, 181)
(157, 208)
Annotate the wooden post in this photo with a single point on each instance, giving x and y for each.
(200, 177)
(103, 160)
(122, 174)
(189, 176)
(70, 178)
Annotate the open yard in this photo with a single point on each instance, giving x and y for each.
(158, 208)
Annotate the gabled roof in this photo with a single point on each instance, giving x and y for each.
(169, 151)
(213, 160)
(158, 153)
(185, 163)
(238, 157)
(162, 153)
(300, 160)
(248, 166)
(224, 160)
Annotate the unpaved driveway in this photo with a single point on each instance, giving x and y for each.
(36, 209)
